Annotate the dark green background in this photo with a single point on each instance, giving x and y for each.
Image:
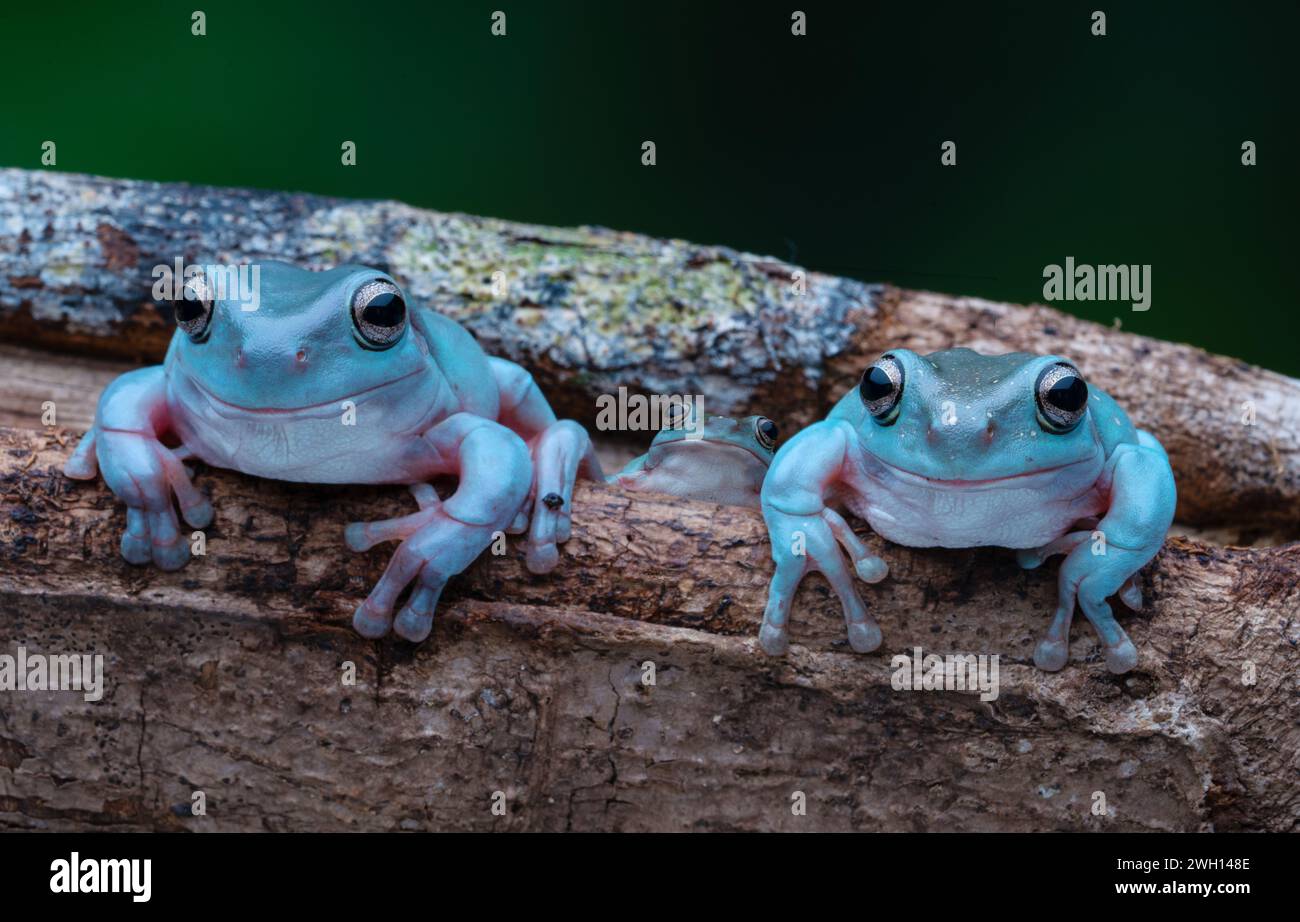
(823, 150)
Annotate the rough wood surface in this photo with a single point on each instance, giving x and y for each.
(590, 310)
(225, 677)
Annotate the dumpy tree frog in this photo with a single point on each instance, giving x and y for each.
(724, 462)
(957, 449)
(334, 379)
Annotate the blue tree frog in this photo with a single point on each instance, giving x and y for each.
(957, 449)
(334, 380)
(724, 463)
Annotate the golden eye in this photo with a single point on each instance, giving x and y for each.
(766, 432)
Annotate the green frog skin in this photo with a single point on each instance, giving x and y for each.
(333, 380)
(957, 449)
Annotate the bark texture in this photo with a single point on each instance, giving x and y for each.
(227, 677)
(589, 310)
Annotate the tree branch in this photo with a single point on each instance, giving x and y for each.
(225, 677)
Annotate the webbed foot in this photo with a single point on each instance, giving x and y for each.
(819, 537)
(443, 538)
(1089, 579)
(144, 474)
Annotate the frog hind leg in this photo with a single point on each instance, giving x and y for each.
(869, 567)
(1054, 649)
(83, 464)
(362, 536)
(1130, 594)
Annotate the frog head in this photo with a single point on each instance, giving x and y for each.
(961, 417)
(722, 440)
(721, 460)
(313, 340)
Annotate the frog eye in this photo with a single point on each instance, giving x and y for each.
(379, 314)
(766, 432)
(194, 308)
(1062, 397)
(882, 389)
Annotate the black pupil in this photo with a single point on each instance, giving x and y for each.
(768, 428)
(384, 310)
(1069, 393)
(187, 310)
(876, 385)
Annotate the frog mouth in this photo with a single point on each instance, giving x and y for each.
(324, 408)
(725, 451)
(1020, 480)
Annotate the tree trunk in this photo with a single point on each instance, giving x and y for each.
(590, 310)
(227, 678)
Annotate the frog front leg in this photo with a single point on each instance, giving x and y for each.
(444, 538)
(561, 451)
(1141, 505)
(124, 444)
(804, 533)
